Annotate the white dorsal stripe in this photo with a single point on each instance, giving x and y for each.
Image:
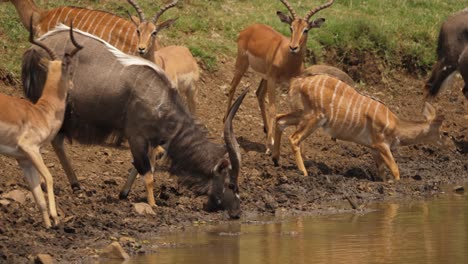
(123, 58)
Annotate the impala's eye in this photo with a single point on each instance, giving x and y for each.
(154, 33)
(138, 32)
(305, 31)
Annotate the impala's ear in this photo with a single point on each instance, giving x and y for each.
(429, 112)
(166, 24)
(284, 18)
(316, 23)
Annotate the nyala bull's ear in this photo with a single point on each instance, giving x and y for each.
(166, 24)
(429, 112)
(221, 165)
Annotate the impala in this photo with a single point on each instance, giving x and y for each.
(177, 61)
(275, 56)
(452, 53)
(26, 127)
(114, 29)
(345, 114)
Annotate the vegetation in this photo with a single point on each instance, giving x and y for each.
(403, 33)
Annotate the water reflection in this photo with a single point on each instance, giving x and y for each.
(418, 232)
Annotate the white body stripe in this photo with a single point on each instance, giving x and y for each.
(111, 30)
(386, 120)
(87, 18)
(97, 24)
(52, 19)
(124, 59)
(347, 111)
(78, 25)
(125, 40)
(332, 102)
(375, 111)
(66, 17)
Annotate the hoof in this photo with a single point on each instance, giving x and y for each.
(123, 195)
(275, 162)
(76, 187)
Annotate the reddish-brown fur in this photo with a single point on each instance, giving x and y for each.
(114, 29)
(275, 56)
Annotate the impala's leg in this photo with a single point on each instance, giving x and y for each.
(261, 95)
(57, 144)
(306, 126)
(282, 122)
(242, 63)
(271, 113)
(35, 156)
(380, 165)
(192, 95)
(386, 155)
(139, 149)
(33, 180)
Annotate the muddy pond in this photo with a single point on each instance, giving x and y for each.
(431, 231)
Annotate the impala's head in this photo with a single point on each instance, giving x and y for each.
(300, 26)
(56, 65)
(224, 192)
(147, 30)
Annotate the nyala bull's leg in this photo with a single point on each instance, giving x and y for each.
(57, 144)
(141, 162)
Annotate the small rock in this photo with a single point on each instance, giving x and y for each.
(270, 202)
(43, 259)
(114, 251)
(4, 202)
(143, 208)
(126, 239)
(16, 195)
(459, 189)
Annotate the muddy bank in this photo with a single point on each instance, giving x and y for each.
(94, 217)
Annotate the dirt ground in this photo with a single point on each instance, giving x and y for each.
(94, 217)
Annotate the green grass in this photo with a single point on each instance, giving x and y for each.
(402, 33)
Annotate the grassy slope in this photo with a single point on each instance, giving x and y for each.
(401, 32)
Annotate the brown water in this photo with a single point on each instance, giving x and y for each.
(433, 231)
